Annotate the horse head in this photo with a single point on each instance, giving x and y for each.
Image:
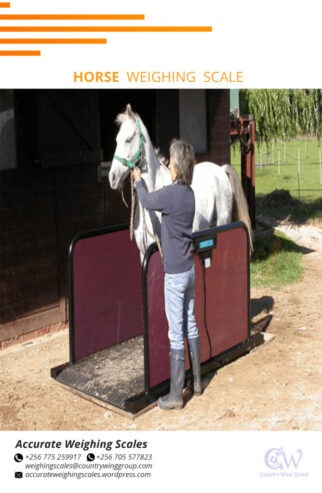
(129, 150)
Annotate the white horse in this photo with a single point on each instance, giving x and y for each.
(218, 192)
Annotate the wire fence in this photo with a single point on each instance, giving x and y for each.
(293, 165)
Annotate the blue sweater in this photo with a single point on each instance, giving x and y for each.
(176, 202)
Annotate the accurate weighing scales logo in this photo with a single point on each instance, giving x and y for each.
(21, 31)
(283, 463)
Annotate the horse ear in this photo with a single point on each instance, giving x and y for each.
(129, 110)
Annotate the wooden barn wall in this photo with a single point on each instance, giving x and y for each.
(53, 193)
(52, 189)
(28, 253)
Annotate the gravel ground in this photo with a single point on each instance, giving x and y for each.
(276, 387)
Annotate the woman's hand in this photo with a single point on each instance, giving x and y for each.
(136, 174)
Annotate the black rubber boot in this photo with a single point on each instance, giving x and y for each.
(174, 399)
(194, 350)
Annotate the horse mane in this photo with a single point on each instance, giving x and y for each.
(161, 157)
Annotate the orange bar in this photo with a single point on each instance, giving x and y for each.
(52, 41)
(119, 29)
(20, 53)
(49, 17)
(4, 5)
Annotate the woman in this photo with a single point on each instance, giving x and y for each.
(176, 202)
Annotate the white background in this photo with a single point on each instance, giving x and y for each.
(183, 461)
(276, 44)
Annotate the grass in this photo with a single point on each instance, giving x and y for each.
(294, 166)
(276, 262)
(301, 213)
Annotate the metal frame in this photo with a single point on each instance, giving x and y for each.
(219, 360)
(137, 403)
(145, 265)
(229, 227)
(214, 363)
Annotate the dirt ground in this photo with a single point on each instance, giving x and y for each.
(276, 387)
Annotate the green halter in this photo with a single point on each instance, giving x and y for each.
(137, 158)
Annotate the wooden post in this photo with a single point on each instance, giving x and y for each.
(244, 129)
(279, 163)
(248, 172)
(298, 173)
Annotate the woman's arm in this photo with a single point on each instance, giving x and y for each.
(157, 201)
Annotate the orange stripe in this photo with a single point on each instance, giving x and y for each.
(19, 53)
(4, 5)
(111, 17)
(52, 41)
(120, 29)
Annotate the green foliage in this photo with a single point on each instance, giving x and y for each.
(276, 262)
(294, 165)
(283, 113)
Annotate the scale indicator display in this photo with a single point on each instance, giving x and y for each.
(206, 244)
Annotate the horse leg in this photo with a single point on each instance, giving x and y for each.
(224, 205)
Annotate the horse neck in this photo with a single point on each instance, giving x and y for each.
(155, 175)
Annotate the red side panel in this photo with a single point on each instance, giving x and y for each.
(107, 293)
(221, 303)
(221, 295)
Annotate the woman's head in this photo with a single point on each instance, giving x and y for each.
(182, 161)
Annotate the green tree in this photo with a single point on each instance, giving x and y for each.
(283, 113)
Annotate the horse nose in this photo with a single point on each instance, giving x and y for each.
(112, 179)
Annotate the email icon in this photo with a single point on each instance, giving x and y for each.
(18, 475)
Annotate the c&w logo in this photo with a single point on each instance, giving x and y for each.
(277, 459)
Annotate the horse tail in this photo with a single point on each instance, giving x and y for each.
(240, 206)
